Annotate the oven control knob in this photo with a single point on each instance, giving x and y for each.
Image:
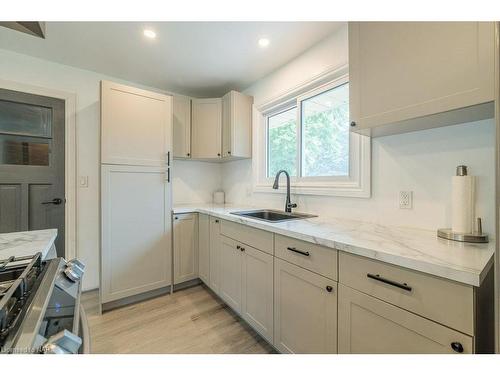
(74, 270)
(63, 342)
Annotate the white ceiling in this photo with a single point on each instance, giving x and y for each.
(194, 58)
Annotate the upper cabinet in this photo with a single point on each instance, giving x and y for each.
(400, 72)
(136, 125)
(237, 125)
(182, 126)
(213, 129)
(206, 128)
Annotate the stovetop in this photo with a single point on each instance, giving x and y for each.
(19, 279)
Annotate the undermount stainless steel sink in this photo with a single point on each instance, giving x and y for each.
(272, 215)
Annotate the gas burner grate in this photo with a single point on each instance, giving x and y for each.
(18, 277)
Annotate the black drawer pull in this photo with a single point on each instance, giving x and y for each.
(329, 288)
(390, 282)
(305, 253)
(456, 346)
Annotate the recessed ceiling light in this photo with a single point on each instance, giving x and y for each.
(264, 42)
(149, 33)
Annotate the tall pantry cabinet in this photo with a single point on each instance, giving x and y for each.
(136, 192)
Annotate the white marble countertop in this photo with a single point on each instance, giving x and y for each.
(27, 243)
(417, 249)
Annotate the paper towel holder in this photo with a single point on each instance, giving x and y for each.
(474, 237)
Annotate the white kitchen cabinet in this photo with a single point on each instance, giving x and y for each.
(236, 125)
(136, 194)
(215, 254)
(368, 325)
(230, 273)
(185, 247)
(206, 128)
(305, 310)
(401, 71)
(136, 241)
(246, 284)
(257, 291)
(136, 125)
(204, 248)
(182, 126)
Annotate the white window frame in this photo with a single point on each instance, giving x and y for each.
(356, 184)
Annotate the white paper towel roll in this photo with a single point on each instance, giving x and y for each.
(462, 203)
(219, 197)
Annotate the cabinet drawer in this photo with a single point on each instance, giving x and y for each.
(443, 301)
(257, 238)
(319, 259)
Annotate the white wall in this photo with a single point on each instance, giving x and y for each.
(85, 85)
(195, 181)
(422, 162)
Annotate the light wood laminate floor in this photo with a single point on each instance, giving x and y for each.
(192, 320)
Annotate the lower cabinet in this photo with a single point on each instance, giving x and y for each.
(204, 248)
(185, 247)
(246, 284)
(305, 310)
(214, 255)
(369, 325)
(136, 231)
(230, 273)
(257, 291)
(299, 310)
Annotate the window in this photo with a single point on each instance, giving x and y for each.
(306, 132)
(324, 136)
(325, 133)
(282, 142)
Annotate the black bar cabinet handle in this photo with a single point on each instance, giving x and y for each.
(305, 253)
(168, 174)
(390, 282)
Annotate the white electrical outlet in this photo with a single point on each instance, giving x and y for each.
(406, 199)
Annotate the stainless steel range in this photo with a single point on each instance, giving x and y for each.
(40, 309)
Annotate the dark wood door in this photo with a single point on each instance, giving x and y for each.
(32, 163)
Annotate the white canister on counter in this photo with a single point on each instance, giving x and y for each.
(219, 197)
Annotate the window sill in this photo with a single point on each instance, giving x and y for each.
(336, 190)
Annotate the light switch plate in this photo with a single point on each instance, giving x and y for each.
(406, 199)
(83, 181)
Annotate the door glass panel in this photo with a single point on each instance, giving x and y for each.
(25, 119)
(20, 150)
